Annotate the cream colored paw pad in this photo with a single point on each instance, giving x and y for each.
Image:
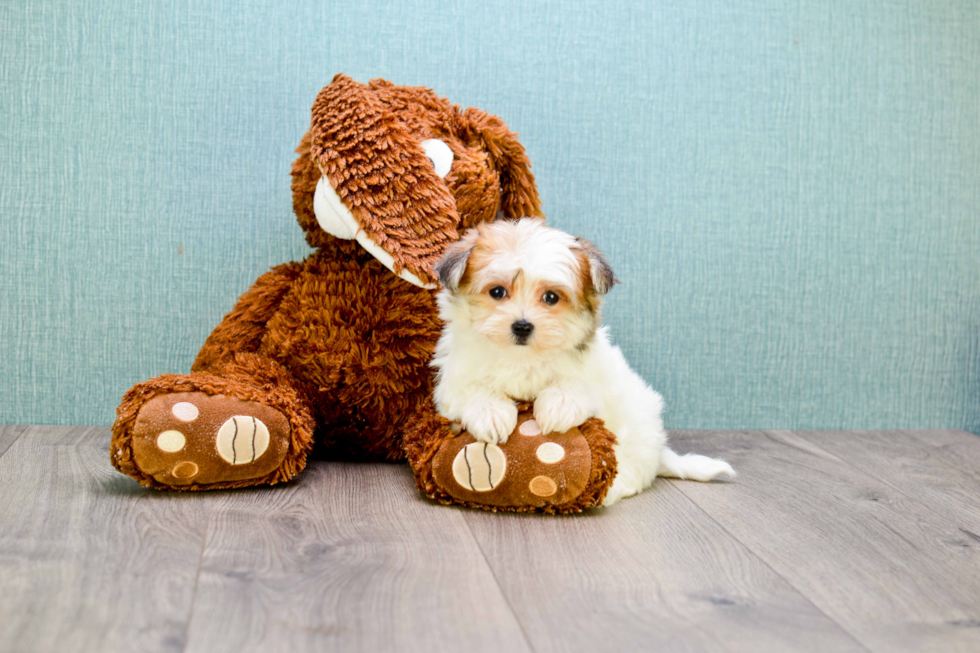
(171, 441)
(185, 411)
(542, 486)
(530, 427)
(242, 439)
(550, 453)
(479, 466)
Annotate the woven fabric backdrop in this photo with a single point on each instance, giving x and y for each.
(790, 192)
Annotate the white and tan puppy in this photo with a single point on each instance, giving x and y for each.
(521, 302)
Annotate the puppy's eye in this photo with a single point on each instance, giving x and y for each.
(550, 298)
(498, 292)
(440, 155)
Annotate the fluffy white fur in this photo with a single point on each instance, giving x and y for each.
(567, 366)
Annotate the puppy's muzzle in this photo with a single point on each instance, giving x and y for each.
(522, 331)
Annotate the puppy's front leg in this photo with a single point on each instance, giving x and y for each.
(559, 408)
(489, 418)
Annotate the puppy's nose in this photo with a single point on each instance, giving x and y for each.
(522, 328)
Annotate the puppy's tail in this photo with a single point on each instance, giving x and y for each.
(692, 466)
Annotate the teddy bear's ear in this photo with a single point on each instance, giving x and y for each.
(519, 194)
(371, 168)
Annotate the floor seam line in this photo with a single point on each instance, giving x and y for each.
(933, 447)
(881, 480)
(496, 581)
(17, 437)
(755, 555)
(197, 582)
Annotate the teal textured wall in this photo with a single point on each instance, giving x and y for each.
(789, 191)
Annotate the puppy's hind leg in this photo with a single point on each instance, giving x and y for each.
(637, 463)
(692, 466)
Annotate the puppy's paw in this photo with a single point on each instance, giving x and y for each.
(490, 420)
(557, 410)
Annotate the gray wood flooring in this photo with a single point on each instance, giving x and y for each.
(826, 541)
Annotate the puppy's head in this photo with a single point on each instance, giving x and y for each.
(523, 284)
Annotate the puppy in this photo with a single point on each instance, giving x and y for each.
(521, 302)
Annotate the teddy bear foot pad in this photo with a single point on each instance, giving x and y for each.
(192, 438)
(530, 469)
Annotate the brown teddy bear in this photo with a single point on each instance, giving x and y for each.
(335, 350)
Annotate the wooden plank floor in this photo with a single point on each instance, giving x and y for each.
(826, 541)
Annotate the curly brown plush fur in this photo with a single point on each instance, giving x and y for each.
(337, 347)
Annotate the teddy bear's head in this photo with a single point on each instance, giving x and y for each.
(403, 172)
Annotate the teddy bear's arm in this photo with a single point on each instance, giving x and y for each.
(242, 329)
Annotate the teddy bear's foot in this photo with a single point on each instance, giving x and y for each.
(559, 473)
(202, 432)
(194, 438)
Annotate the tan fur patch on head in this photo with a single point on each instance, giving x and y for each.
(587, 297)
(601, 273)
(524, 271)
(452, 267)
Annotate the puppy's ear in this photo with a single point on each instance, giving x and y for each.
(452, 266)
(600, 272)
